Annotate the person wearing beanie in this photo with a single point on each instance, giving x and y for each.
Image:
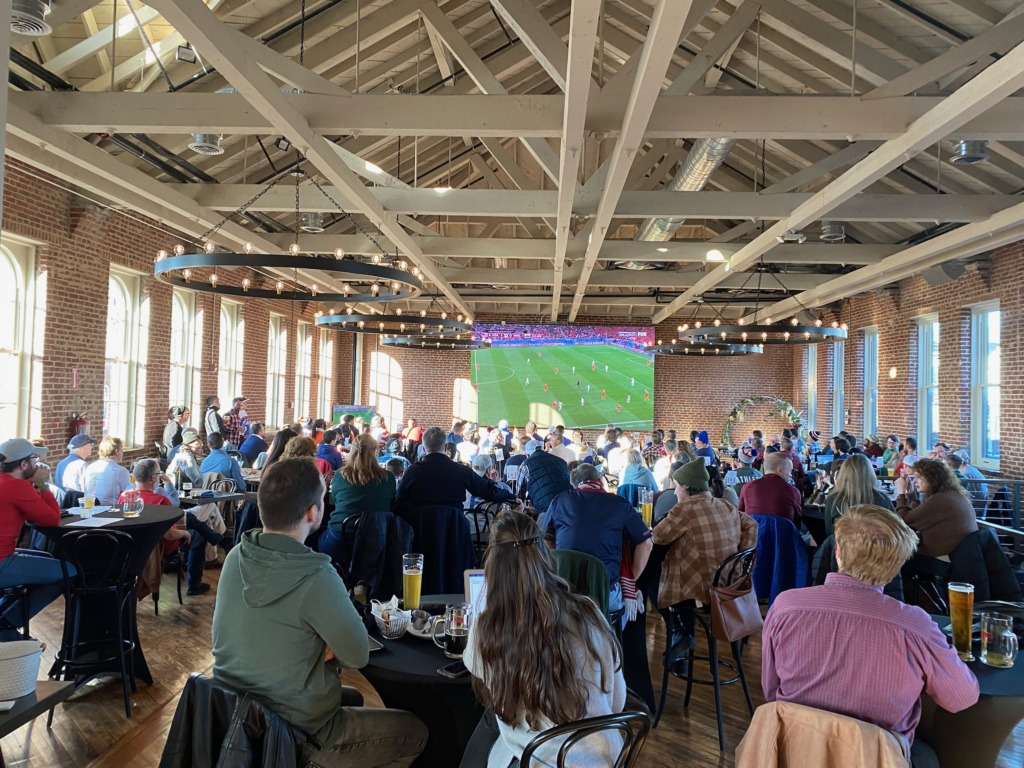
(700, 531)
(704, 450)
(746, 473)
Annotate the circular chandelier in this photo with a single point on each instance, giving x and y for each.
(694, 348)
(426, 343)
(395, 323)
(792, 332)
(295, 275)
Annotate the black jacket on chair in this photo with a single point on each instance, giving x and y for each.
(216, 726)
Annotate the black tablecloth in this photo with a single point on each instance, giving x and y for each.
(146, 530)
(405, 675)
(992, 681)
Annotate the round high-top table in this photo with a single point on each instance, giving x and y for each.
(973, 738)
(404, 674)
(146, 530)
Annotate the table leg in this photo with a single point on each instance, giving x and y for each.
(974, 737)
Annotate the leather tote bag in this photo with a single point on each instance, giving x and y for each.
(735, 613)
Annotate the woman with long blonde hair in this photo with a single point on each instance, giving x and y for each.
(540, 655)
(361, 485)
(856, 484)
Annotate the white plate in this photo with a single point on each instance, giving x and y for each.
(423, 634)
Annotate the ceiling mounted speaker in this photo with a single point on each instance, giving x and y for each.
(27, 18)
(966, 152)
(832, 232)
(944, 273)
(206, 144)
(312, 222)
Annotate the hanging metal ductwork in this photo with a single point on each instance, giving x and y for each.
(705, 157)
(970, 152)
(312, 222)
(27, 18)
(206, 144)
(832, 232)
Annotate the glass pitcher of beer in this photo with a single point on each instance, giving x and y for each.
(961, 614)
(412, 580)
(998, 642)
(456, 629)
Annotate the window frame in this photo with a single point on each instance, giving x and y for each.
(325, 391)
(980, 314)
(812, 386)
(277, 359)
(132, 361)
(230, 352)
(838, 350)
(189, 368)
(303, 369)
(870, 426)
(929, 336)
(24, 352)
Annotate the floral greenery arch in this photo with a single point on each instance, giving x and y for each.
(780, 407)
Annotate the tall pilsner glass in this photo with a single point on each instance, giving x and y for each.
(412, 580)
(961, 614)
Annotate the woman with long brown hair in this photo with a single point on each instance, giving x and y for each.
(539, 654)
(942, 514)
(281, 439)
(361, 485)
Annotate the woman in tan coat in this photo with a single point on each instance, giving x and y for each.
(942, 514)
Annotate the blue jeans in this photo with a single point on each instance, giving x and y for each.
(332, 544)
(202, 534)
(39, 572)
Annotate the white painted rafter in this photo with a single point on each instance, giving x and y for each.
(194, 19)
(989, 88)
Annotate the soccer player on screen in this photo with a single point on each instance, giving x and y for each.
(593, 366)
(632, 382)
(545, 386)
(554, 404)
(574, 369)
(556, 371)
(629, 399)
(603, 394)
(618, 407)
(582, 402)
(647, 395)
(527, 383)
(606, 369)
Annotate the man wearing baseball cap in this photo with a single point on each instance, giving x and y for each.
(25, 496)
(234, 423)
(70, 472)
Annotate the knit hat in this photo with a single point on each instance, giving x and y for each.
(703, 437)
(747, 454)
(815, 435)
(189, 435)
(693, 474)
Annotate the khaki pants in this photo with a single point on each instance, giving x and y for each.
(375, 738)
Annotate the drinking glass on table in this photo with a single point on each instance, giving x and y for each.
(456, 629)
(998, 642)
(961, 615)
(646, 506)
(131, 504)
(412, 580)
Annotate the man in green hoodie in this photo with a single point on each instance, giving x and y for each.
(284, 627)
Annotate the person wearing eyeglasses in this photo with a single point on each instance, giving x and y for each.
(25, 496)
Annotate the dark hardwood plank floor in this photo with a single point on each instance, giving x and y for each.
(91, 729)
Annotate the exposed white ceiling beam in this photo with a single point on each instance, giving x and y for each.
(744, 117)
(663, 36)
(95, 43)
(442, 56)
(538, 36)
(196, 20)
(667, 280)
(480, 163)
(631, 204)
(996, 40)
(66, 10)
(578, 87)
(92, 29)
(483, 77)
(908, 13)
(996, 83)
(972, 239)
(528, 249)
(721, 42)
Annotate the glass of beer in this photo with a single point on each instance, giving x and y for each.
(961, 614)
(646, 506)
(412, 580)
(998, 643)
(456, 629)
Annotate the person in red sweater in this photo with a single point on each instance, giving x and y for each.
(26, 497)
(772, 494)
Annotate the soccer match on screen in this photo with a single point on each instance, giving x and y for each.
(579, 376)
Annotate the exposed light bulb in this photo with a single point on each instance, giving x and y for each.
(161, 255)
(246, 282)
(187, 274)
(213, 279)
(376, 258)
(179, 249)
(444, 315)
(339, 253)
(313, 289)
(374, 289)
(248, 248)
(818, 322)
(293, 249)
(402, 327)
(423, 313)
(416, 271)
(786, 335)
(743, 335)
(279, 287)
(835, 324)
(764, 337)
(460, 318)
(361, 323)
(794, 321)
(209, 247)
(768, 320)
(697, 324)
(346, 288)
(717, 322)
(843, 326)
(684, 327)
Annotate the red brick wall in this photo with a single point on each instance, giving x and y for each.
(78, 243)
(894, 313)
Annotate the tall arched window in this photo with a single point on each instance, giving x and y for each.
(386, 388)
(277, 355)
(186, 353)
(232, 339)
(12, 313)
(303, 369)
(326, 388)
(117, 360)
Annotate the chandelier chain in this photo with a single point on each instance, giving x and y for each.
(349, 216)
(240, 210)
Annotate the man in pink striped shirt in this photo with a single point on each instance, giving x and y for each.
(847, 648)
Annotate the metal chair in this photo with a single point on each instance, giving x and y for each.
(731, 570)
(101, 560)
(481, 516)
(632, 727)
(11, 596)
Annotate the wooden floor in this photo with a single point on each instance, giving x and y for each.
(91, 729)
